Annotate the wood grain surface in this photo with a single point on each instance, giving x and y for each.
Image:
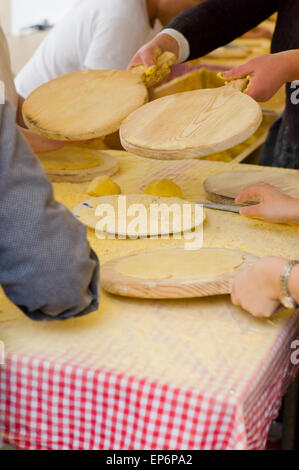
(191, 124)
(118, 283)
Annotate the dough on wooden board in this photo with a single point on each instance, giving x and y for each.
(164, 187)
(176, 215)
(84, 105)
(183, 265)
(70, 158)
(103, 186)
(191, 124)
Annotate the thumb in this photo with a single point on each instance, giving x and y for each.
(148, 57)
(251, 211)
(145, 56)
(238, 72)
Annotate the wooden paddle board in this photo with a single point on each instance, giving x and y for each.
(91, 103)
(139, 215)
(191, 124)
(225, 187)
(76, 164)
(174, 273)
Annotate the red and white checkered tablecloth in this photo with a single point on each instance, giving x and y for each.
(59, 405)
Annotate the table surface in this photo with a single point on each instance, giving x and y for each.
(136, 374)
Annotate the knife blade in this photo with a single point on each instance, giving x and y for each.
(220, 207)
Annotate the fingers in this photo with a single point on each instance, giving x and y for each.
(257, 306)
(137, 60)
(247, 194)
(252, 211)
(256, 192)
(239, 72)
(257, 90)
(234, 298)
(253, 191)
(145, 56)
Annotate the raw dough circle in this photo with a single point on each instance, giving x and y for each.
(103, 186)
(70, 158)
(84, 105)
(75, 164)
(191, 124)
(165, 187)
(124, 211)
(201, 264)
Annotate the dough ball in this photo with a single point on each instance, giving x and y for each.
(103, 186)
(166, 188)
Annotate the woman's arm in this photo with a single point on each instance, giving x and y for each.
(205, 27)
(215, 23)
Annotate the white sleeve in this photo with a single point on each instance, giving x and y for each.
(184, 48)
(29, 78)
(114, 43)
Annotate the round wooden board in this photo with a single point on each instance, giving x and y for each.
(108, 166)
(191, 124)
(84, 105)
(123, 216)
(225, 187)
(118, 283)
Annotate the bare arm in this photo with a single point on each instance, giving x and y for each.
(207, 26)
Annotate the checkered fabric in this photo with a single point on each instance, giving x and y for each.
(60, 406)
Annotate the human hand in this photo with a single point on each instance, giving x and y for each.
(273, 206)
(148, 54)
(268, 73)
(257, 288)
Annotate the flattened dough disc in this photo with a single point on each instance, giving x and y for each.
(191, 124)
(84, 105)
(136, 216)
(76, 164)
(174, 273)
(225, 187)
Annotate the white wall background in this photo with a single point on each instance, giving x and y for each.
(27, 12)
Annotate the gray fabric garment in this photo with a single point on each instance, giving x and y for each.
(279, 149)
(46, 265)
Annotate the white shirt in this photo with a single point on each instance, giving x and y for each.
(97, 34)
(7, 88)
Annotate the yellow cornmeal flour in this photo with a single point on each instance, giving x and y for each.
(196, 343)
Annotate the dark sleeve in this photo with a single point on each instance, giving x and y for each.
(214, 23)
(46, 265)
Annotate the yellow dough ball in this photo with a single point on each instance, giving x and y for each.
(166, 188)
(103, 186)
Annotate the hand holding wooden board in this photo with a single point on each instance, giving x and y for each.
(225, 187)
(92, 103)
(174, 273)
